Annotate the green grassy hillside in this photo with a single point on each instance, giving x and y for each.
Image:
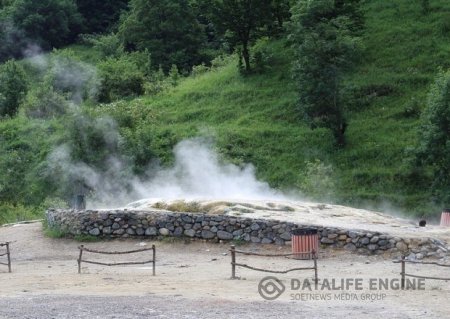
(254, 119)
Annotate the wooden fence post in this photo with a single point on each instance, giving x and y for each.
(403, 273)
(9, 257)
(79, 258)
(233, 262)
(154, 260)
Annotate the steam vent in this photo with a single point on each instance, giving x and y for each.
(265, 222)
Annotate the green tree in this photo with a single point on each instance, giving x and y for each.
(49, 23)
(433, 150)
(100, 16)
(168, 29)
(323, 36)
(13, 87)
(241, 20)
(280, 10)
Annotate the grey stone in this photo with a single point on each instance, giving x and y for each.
(206, 234)
(255, 226)
(352, 234)
(214, 229)
(266, 241)
(186, 219)
(326, 240)
(115, 226)
(130, 231)
(189, 232)
(140, 231)
(151, 231)
(372, 247)
(332, 236)
(224, 235)
(286, 236)
(119, 232)
(401, 246)
(365, 241)
(164, 231)
(383, 242)
(94, 232)
(374, 239)
(178, 231)
(238, 232)
(106, 230)
(108, 222)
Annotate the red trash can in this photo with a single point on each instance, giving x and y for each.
(445, 217)
(304, 242)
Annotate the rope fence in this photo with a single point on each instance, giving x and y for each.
(403, 273)
(88, 250)
(7, 254)
(235, 264)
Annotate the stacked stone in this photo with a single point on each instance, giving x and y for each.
(114, 224)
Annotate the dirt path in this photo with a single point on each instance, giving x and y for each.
(193, 282)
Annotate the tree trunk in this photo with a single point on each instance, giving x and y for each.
(246, 56)
(339, 134)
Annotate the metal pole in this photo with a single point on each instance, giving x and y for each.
(79, 258)
(9, 257)
(233, 262)
(316, 279)
(154, 260)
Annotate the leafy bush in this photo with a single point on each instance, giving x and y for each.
(199, 69)
(10, 213)
(44, 102)
(121, 77)
(108, 45)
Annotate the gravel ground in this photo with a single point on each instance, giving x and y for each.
(46, 307)
(193, 281)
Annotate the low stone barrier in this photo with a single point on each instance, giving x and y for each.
(123, 223)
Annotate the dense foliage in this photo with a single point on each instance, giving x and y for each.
(48, 23)
(100, 16)
(168, 29)
(13, 86)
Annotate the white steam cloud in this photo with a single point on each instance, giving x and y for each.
(199, 173)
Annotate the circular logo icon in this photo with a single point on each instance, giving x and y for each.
(270, 288)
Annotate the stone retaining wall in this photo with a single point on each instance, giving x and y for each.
(122, 224)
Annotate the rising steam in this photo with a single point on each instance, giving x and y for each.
(199, 173)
